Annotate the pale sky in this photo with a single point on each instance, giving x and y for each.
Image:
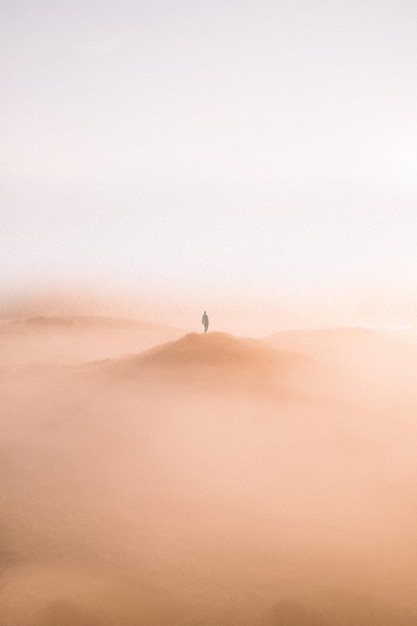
(260, 153)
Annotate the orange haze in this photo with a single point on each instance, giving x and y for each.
(154, 477)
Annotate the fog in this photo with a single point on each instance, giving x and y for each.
(154, 476)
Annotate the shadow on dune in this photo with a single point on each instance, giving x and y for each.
(291, 613)
(339, 611)
(68, 614)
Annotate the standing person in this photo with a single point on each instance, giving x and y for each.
(205, 321)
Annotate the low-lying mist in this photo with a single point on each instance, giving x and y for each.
(151, 478)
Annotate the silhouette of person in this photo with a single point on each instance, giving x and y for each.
(205, 321)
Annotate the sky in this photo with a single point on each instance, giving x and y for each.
(250, 158)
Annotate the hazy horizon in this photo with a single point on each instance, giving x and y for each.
(251, 319)
(251, 160)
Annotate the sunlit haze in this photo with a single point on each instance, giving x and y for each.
(259, 156)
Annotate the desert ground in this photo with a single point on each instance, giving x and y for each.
(152, 476)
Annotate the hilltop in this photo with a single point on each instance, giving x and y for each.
(219, 360)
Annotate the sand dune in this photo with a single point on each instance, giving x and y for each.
(178, 486)
(76, 339)
(345, 347)
(220, 349)
(222, 361)
(363, 357)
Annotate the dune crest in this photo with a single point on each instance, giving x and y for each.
(215, 360)
(218, 349)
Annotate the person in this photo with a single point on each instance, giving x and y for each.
(205, 321)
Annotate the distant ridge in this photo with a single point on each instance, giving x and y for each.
(84, 321)
(339, 342)
(358, 354)
(75, 339)
(341, 331)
